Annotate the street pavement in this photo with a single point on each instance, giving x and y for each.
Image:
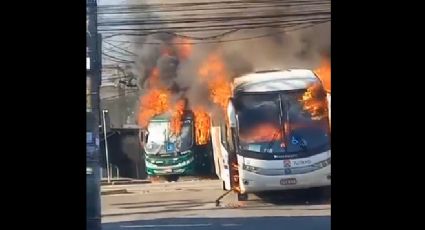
(191, 205)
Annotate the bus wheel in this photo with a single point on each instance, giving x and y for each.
(223, 185)
(171, 178)
(242, 197)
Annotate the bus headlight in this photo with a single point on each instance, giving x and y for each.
(185, 152)
(322, 164)
(250, 168)
(186, 162)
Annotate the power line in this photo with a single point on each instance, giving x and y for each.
(225, 27)
(212, 22)
(117, 52)
(127, 51)
(224, 41)
(175, 34)
(126, 77)
(116, 59)
(216, 16)
(293, 24)
(208, 5)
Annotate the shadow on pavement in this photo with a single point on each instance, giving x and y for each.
(156, 203)
(316, 196)
(171, 206)
(246, 223)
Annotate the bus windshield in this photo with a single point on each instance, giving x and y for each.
(161, 140)
(278, 123)
(306, 130)
(260, 123)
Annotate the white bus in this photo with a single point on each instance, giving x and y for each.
(269, 141)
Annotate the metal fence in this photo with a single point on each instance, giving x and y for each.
(114, 172)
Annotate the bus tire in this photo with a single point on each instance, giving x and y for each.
(172, 178)
(242, 196)
(223, 185)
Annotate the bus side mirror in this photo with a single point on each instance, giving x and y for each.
(231, 114)
(143, 136)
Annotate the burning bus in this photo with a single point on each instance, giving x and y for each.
(166, 153)
(171, 154)
(275, 135)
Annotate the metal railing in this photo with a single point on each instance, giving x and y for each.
(114, 172)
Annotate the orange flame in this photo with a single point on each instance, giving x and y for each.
(324, 74)
(235, 169)
(153, 78)
(214, 71)
(314, 101)
(262, 133)
(157, 99)
(167, 51)
(184, 48)
(155, 102)
(176, 119)
(202, 126)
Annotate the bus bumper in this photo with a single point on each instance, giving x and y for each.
(172, 170)
(252, 182)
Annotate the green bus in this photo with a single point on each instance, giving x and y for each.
(169, 155)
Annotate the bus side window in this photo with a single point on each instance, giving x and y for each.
(230, 140)
(223, 135)
(226, 138)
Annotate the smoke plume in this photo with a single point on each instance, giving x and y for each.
(242, 52)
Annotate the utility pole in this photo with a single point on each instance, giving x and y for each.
(92, 119)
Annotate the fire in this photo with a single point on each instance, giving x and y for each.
(202, 126)
(153, 78)
(167, 51)
(176, 119)
(214, 71)
(184, 48)
(155, 102)
(157, 99)
(235, 169)
(314, 101)
(324, 74)
(262, 133)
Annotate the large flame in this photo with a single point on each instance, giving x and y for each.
(202, 126)
(262, 133)
(176, 119)
(213, 70)
(167, 51)
(154, 102)
(314, 100)
(324, 74)
(153, 79)
(184, 48)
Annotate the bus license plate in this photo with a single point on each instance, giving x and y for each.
(289, 181)
(168, 170)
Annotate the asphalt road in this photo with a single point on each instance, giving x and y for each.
(191, 204)
(246, 223)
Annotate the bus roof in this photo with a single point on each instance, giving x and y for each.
(275, 80)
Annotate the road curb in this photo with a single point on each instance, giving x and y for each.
(113, 192)
(126, 182)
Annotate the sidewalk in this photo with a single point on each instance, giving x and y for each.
(106, 190)
(123, 181)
